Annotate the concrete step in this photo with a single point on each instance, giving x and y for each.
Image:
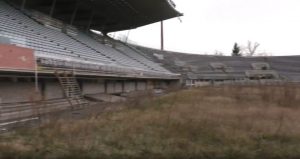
(105, 98)
(70, 86)
(69, 82)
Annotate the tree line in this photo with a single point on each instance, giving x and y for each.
(249, 50)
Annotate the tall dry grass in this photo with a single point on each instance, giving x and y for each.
(219, 123)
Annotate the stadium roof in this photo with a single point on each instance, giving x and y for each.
(104, 15)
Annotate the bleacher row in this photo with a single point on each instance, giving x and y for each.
(194, 66)
(24, 31)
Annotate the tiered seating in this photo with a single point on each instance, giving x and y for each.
(139, 57)
(236, 63)
(108, 51)
(236, 67)
(24, 31)
(288, 67)
(286, 64)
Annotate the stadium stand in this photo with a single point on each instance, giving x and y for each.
(53, 44)
(47, 62)
(199, 70)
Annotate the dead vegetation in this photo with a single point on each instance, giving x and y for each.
(220, 123)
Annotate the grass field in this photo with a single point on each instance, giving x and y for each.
(261, 122)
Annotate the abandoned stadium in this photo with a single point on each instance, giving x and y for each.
(50, 59)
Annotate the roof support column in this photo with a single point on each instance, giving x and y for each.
(127, 37)
(52, 8)
(74, 13)
(162, 35)
(23, 4)
(90, 21)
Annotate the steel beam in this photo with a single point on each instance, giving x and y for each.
(23, 4)
(90, 21)
(52, 8)
(74, 13)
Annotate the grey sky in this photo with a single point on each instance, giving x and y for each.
(210, 25)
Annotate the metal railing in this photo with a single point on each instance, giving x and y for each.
(14, 112)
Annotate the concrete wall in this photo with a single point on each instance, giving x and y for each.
(17, 91)
(23, 90)
(119, 87)
(202, 83)
(129, 86)
(150, 85)
(114, 86)
(53, 90)
(110, 86)
(161, 85)
(93, 87)
(141, 86)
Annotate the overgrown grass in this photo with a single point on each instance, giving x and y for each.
(213, 123)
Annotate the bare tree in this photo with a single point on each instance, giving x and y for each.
(251, 48)
(218, 53)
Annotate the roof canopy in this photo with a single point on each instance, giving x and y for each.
(104, 15)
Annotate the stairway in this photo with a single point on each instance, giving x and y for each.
(71, 89)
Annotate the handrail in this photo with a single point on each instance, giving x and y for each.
(21, 110)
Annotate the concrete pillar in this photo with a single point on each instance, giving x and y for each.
(123, 86)
(105, 86)
(136, 85)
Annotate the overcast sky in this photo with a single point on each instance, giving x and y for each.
(210, 25)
